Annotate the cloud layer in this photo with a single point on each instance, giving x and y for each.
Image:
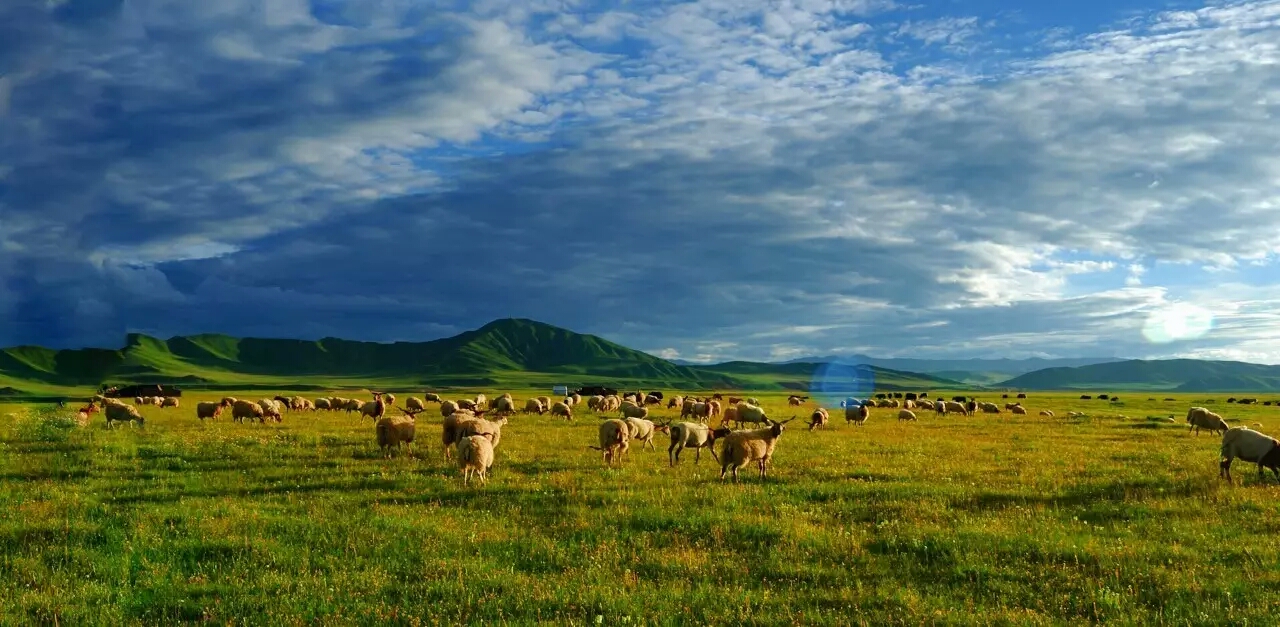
(698, 179)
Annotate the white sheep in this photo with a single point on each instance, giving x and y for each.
(120, 412)
(169, 401)
(1019, 410)
(615, 438)
(504, 405)
(1250, 446)
(857, 414)
(743, 447)
(906, 414)
(392, 432)
(414, 404)
(818, 418)
(432, 397)
(752, 413)
(475, 455)
(269, 409)
(466, 403)
(447, 408)
(631, 410)
(534, 406)
(1202, 418)
(643, 430)
(692, 435)
(246, 409)
(560, 409)
(492, 429)
(1046, 413)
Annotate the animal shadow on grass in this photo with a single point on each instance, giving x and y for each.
(1082, 495)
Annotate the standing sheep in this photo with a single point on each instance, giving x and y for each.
(818, 418)
(1250, 446)
(906, 414)
(692, 435)
(1201, 418)
(475, 455)
(169, 401)
(560, 409)
(447, 408)
(615, 438)
(119, 412)
(1019, 410)
(414, 404)
(643, 431)
(208, 410)
(534, 406)
(392, 432)
(432, 397)
(504, 405)
(743, 447)
(857, 414)
(247, 409)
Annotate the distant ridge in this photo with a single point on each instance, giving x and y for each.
(1175, 375)
(509, 351)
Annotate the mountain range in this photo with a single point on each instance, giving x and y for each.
(506, 352)
(520, 353)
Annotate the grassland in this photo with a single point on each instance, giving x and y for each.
(1118, 516)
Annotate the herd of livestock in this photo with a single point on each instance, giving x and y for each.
(472, 427)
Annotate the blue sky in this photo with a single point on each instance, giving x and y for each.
(707, 180)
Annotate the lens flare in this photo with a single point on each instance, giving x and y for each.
(1176, 322)
(835, 381)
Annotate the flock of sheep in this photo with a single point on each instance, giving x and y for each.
(474, 437)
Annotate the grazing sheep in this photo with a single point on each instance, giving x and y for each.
(1250, 446)
(535, 406)
(353, 404)
(953, 406)
(990, 408)
(753, 401)
(675, 401)
(560, 409)
(119, 412)
(169, 401)
(475, 426)
(475, 455)
(818, 418)
(1200, 418)
(794, 401)
(208, 410)
(466, 403)
(270, 409)
(432, 397)
(138, 400)
(857, 414)
(615, 438)
(414, 404)
(906, 414)
(247, 409)
(545, 400)
(652, 400)
(593, 403)
(1047, 413)
(632, 411)
(1010, 405)
(692, 435)
(392, 432)
(643, 430)
(743, 447)
(503, 405)
(1018, 409)
(750, 412)
(447, 408)
(480, 401)
(577, 398)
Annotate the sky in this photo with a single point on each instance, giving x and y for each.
(704, 180)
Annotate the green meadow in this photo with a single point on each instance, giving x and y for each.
(1118, 515)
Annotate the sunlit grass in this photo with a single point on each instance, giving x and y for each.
(1118, 515)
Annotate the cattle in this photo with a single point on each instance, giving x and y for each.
(959, 399)
(971, 407)
(1022, 395)
(595, 390)
(911, 396)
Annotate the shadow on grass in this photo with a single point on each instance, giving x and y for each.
(1078, 496)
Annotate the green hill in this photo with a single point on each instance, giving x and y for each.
(507, 352)
(1181, 375)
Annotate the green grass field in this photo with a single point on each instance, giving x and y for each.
(993, 519)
